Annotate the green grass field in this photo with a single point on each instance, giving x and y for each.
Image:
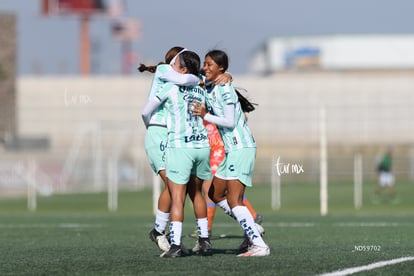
(76, 235)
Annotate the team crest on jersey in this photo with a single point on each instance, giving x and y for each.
(235, 141)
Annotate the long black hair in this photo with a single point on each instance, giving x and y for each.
(246, 105)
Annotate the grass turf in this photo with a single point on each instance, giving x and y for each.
(75, 234)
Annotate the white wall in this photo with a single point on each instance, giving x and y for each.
(362, 110)
(59, 106)
(360, 107)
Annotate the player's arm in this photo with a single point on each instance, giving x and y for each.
(179, 78)
(151, 105)
(224, 121)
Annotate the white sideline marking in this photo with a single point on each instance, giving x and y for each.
(372, 266)
(368, 224)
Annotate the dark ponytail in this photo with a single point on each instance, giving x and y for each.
(143, 67)
(246, 105)
(168, 57)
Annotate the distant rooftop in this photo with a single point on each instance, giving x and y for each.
(335, 52)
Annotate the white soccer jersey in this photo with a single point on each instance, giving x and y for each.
(184, 129)
(234, 138)
(163, 74)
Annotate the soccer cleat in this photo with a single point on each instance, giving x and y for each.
(203, 246)
(197, 247)
(174, 252)
(184, 250)
(256, 251)
(244, 246)
(160, 240)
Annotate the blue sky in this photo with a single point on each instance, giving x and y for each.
(49, 45)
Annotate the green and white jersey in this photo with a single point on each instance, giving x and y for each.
(184, 129)
(240, 136)
(163, 74)
(159, 115)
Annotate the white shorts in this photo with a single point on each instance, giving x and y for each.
(386, 179)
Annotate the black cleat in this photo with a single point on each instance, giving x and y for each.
(244, 246)
(203, 247)
(174, 252)
(160, 240)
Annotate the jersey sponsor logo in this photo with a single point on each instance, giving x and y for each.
(192, 138)
(192, 89)
(192, 98)
(192, 94)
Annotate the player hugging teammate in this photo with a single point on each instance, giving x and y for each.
(187, 156)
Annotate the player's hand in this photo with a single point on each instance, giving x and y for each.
(198, 109)
(223, 79)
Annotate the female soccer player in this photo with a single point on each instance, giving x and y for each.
(217, 154)
(235, 172)
(156, 139)
(187, 152)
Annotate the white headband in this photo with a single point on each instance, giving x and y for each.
(175, 57)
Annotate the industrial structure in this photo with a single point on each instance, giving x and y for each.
(334, 52)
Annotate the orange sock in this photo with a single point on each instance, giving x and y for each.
(249, 207)
(211, 210)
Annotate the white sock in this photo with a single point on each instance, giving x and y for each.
(202, 227)
(246, 222)
(176, 228)
(225, 206)
(161, 220)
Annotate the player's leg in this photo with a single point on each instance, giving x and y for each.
(178, 193)
(164, 204)
(162, 216)
(201, 170)
(242, 164)
(179, 164)
(382, 183)
(217, 193)
(216, 157)
(211, 205)
(218, 188)
(154, 147)
(203, 245)
(257, 217)
(234, 196)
